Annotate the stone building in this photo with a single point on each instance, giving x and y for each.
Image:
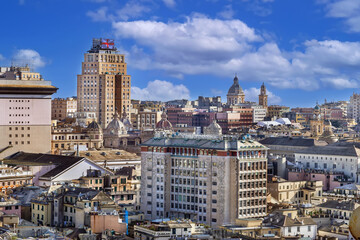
(211, 179)
(263, 97)
(74, 138)
(235, 94)
(62, 108)
(294, 192)
(317, 123)
(103, 84)
(276, 111)
(25, 122)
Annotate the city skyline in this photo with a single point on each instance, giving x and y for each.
(300, 50)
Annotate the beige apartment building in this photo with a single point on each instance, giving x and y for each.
(25, 106)
(62, 108)
(67, 138)
(103, 85)
(294, 191)
(147, 119)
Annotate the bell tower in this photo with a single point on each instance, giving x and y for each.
(263, 97)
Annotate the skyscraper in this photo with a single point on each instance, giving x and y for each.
(103, 85)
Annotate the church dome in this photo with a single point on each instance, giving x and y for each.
(93, 126)
(213, 129)
(235, 89)
(125, 120)
(164, 124)
(328, 135)
(115, 127)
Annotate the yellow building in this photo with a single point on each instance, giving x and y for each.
(103, 86)
(41, 211)
(294, 191)
(317, 123)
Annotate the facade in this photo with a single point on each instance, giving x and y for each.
(124, 186)
(25, 119)
(235, 94)
(263, 97)
(211, 179)
(231, 121)
(62, 108)
(147, 119)
(294, 192)
(330, 179)
(353, 108)
(69, 138)
(345, 159)
(338, 210)
(103, 85)
(276, 111)
(13, 177)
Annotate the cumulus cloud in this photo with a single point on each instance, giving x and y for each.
(30, 57)
(201, 45)
(252, 94)
(344, 9)
(169, 3)
(161, 91)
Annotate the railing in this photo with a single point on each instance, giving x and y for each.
(152, 232)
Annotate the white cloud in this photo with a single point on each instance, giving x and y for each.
(252, 94)
(227, 13)
(30, 57)
(99, 15)
(132, 9)
(345, 9)
(161, 91)
(2, 58)
(201, 45)
(169, 3)
(340, 83)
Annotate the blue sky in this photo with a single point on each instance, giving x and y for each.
(304, 50)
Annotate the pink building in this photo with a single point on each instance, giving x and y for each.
(10, 206)
(330, 180)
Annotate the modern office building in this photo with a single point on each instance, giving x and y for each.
(103, 85)
(211, 179)
(25, 107)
